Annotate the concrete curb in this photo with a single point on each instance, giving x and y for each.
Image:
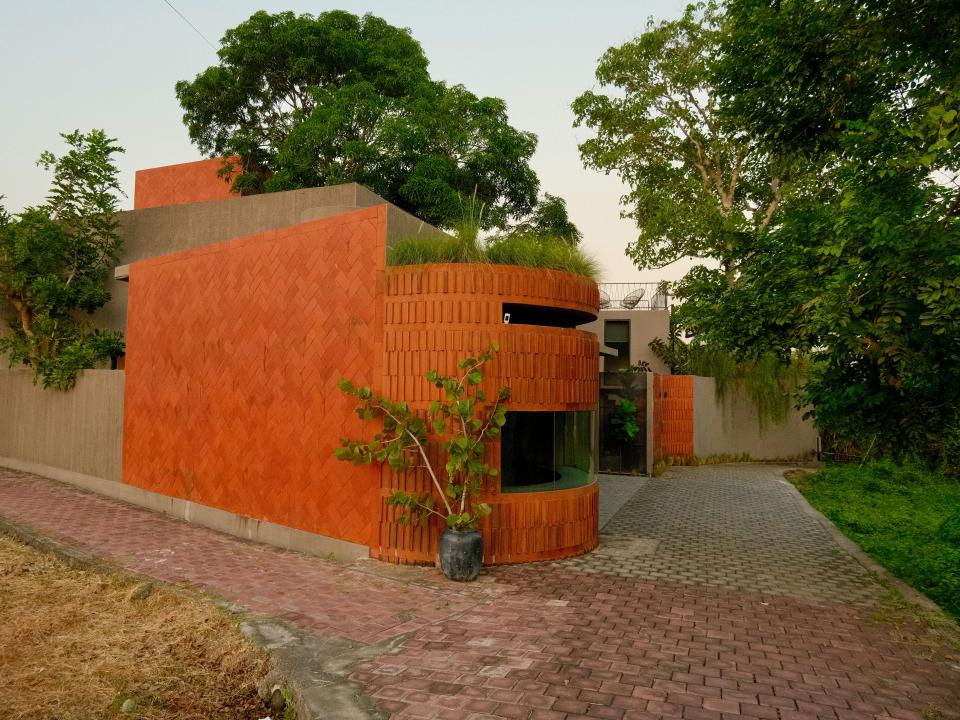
(911, 594)
(315, 670)
(223, 521)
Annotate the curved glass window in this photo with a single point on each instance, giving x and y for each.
(546, 451)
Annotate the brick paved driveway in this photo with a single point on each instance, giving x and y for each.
(712, 596)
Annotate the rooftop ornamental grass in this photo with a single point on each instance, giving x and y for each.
(533, 251)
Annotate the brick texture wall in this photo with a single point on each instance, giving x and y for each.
(234, 350)
(672, 416)
(436, 315)
(180, 184)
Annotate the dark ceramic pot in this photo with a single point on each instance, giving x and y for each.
(461, 554)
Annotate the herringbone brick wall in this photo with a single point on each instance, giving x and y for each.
(672, 416)
(180, 184)
(234, 353)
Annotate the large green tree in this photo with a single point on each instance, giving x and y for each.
(698, 185)
(862, 266)
(55, 259)
(314, 100)
(550, 219)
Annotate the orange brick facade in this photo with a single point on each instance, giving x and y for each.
(234, 350)
(672, 416)
(180, 184)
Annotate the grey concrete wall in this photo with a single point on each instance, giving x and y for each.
(162, 230)
(645, 325)
(730, 426)
(80, 431)
(401, 224)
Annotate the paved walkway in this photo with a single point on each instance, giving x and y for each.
(712, 596)
(615, 492)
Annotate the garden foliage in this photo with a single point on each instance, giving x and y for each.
(461, 424)
(307, 101)
(527, 250)
(623, 420)
(907, 517)
(839, 124)
(55, 259)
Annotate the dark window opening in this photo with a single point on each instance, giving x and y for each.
(623, 445)
(546, 451)
(521, 314)
(616, 335)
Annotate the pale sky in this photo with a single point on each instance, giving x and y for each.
(69, 64)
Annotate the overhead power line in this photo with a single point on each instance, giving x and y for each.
(195, 29)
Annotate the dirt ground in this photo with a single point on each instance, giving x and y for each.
(80, 643)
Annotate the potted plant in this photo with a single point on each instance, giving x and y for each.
(462, 423)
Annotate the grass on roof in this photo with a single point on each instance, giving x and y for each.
(525, 250)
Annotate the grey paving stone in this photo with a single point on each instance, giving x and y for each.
(734, 527)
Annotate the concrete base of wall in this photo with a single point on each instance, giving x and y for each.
(220, 520)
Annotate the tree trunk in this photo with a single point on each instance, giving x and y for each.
(23, 312)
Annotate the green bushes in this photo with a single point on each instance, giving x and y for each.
(434, 249)
(527, 250)
(541, 252)
(905, 516)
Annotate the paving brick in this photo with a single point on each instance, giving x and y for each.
(646, 635)
(570, 706)
(696, 713)
(606, 712)
(721, 705)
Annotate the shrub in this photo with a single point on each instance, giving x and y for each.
(904, 515)
(950, 447)
(624, 420)
(424, 249)
(462, 425)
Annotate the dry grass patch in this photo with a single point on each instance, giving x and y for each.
(79, 643)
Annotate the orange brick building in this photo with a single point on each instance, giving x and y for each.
(242, 313)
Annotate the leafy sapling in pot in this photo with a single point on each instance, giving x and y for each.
(462, 424)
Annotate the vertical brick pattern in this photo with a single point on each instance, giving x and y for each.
(180, 184)
(525, 527)
(672, 416)
(234, 353)
(435, 315)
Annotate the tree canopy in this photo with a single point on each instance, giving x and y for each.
(842, 240)
(698, 185)
(314, 100)
(863, 267)
(550, 219)
(54, 260)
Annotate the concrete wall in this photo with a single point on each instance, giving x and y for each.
(645, 325)
(163, 230)
(729, 426)
(401, 224)
(80, 431)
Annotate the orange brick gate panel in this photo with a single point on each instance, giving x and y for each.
(436, 315)
(672, 416)
(234, 353)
